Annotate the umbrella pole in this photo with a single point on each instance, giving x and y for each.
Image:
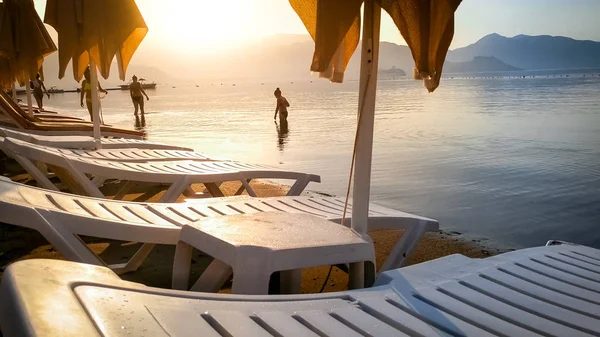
(14, 91)
(364, 141)
(95, 103)
(29, 102)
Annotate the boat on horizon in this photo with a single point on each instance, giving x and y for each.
(145, 85)
(55, 90)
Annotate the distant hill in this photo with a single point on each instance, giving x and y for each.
(479, 64)
(288, 57)
(533, 52)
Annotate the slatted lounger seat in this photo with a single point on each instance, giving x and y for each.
(62, 217)
(514, 294)
(179, 174)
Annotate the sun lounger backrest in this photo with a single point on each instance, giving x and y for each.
(18, 109)
(7, 109)
(22, 119)
(57, 141)
(24, 136)
(32, 151)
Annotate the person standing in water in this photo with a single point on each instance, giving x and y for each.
(86, 90)
(37, 85)
(136, 91)
(281, 108)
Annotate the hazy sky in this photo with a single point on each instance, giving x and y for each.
(186, 38)
(221, 23)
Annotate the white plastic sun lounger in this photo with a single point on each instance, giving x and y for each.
(66, 140)
(179, 174)
(514, 294)
(62, 217)
(126, 154)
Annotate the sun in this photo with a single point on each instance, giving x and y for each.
(200, 24)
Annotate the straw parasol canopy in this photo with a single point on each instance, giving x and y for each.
(426, 25)
(7, 76)
(101, 29)
(24, 42)
(93, 32)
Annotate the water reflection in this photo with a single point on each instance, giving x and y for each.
(282, 134)
(140, 123)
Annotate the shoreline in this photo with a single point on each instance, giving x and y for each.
(17, 243)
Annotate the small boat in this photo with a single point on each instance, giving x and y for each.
(143, 82)
(54, 90)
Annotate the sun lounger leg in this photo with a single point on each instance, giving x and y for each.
(298, 186)
(175, 190)
(98, 181)
(135, 262)
(190, 193)
(246, 184)
(250, 279)
(181, 266)
(123, 191)
(213, 278)
(243, 187)
(214, 190)
(290, 281)
(35, 173)
(67, 243)
(82, 180)
(403, 248)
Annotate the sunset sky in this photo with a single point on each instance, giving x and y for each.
(201, 38)
(227, 22)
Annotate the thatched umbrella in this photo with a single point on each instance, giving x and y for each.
(24, 42)
(91, 33)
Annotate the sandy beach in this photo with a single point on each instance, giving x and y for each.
(19, 244)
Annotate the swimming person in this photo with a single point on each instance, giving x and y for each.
(86, 89)
(136, 91)
(37, 85)
(282, 105)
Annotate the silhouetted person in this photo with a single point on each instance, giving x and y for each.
(136, 91)
(86, 90)
(282, 105)
(37, 85)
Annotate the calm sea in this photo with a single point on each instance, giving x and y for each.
(516, 160)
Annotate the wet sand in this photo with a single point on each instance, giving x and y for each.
(18, 244)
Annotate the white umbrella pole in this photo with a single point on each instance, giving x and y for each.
(14, 91)
(29, 102)
(95, 103)
(364, 141)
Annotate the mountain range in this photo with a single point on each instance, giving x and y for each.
(288, 57)
(533, 52)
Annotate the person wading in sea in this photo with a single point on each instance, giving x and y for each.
(281, 108)
(86, 90)
(136, 91)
